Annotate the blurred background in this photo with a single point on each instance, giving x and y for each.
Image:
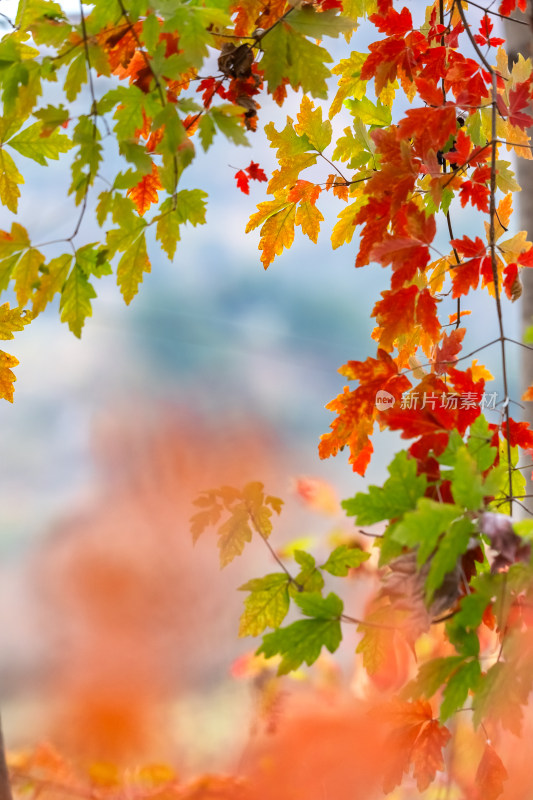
(218, 373)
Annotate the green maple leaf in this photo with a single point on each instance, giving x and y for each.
(464, 680)
(344, 558)
(431, 676)
(195, 24)
(315, 24)
(450, 547)
(398, 494)
(228, 119)
(76, 77)
(303, 640)
(75, 303)
(466, 481)
(52, 117)
(479, 445)
(287, 141)
(131, 267)
(287, 53)
(53, 276)
(423, 527)
(32, 143)
(267, 604)
(377, 114)
(309, 579)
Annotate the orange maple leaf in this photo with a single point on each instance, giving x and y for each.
(490, 774)
(357, 409)
(416, 741)
(145, 192)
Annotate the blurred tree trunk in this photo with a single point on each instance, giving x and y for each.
(520, 41)
(5, 787)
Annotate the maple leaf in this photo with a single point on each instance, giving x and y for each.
(255, 172)
(267, 605)
(519, 434)
(277, 218)
(484, 36)
(475, 194)
(303, 640)
(243, 181)
(131, 267)
(145, 192)
(393, 22)
(490, 774)
(11, 319)
(519, 98)
(7, 376)
(427, 756)
(446, 354)
(357, 409)
(429, 127)
(416, 741)
(508, 6)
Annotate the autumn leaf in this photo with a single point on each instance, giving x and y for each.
(416, 742)
(277, 218)
(7, 376)
(267, 605)
(490, 774)
(357, 409)
(131, 267)
(11, 320)
(145, 192)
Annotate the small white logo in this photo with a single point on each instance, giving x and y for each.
(384, 400)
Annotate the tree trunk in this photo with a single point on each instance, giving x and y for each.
(5, 786)
(520, 41)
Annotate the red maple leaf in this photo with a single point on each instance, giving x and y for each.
(520, 434)
(426, 314)
(243, 181)
(430, 128)
(484, 35)
(508, 6)
(511, 275)
(393, 22)
(255, 172)
(475, 193)
(460, 152)
(526, 258)
(395, 314)
(144, 193)
(446, 354)
(252, 172)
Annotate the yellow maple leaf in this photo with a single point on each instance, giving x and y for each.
(311, 124)
(7, 377)
(277, 232)
(511, 248)
(344, 229)
(11, 319)
(479, 371)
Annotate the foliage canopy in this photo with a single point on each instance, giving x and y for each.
(163, 79)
